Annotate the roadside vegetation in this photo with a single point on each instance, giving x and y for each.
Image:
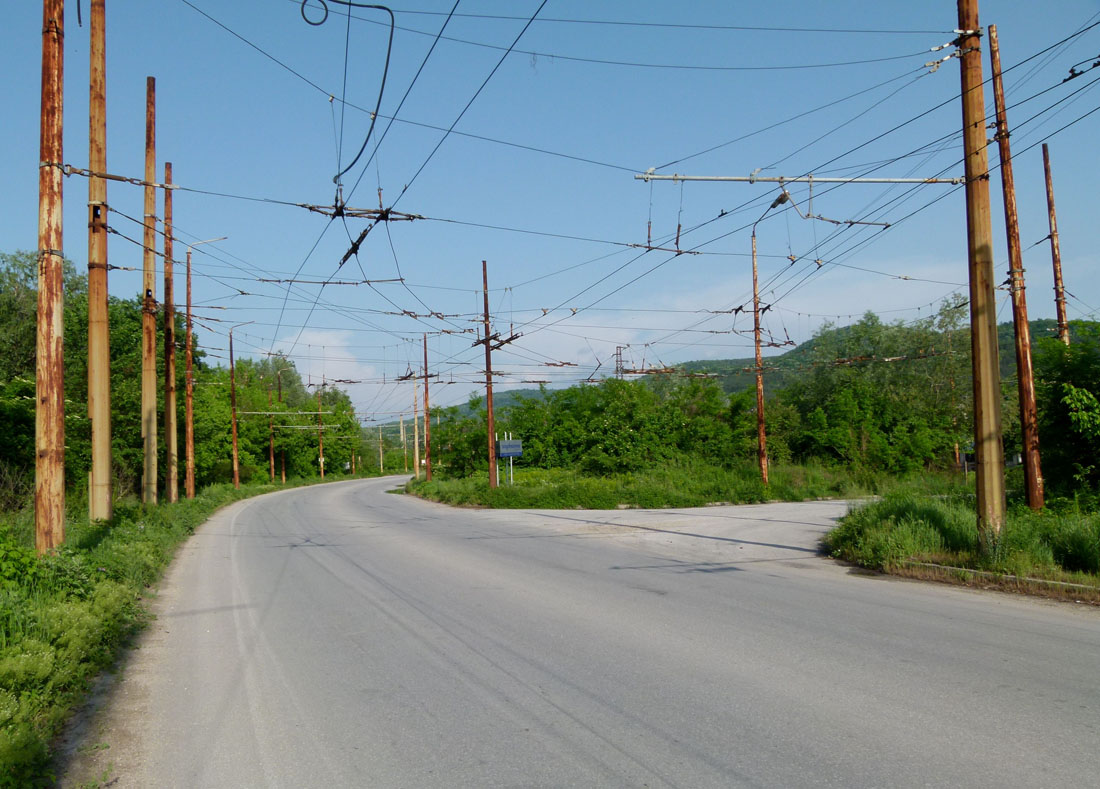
(1054, 552)
(66, 616)
(868, 410)
(687, 485)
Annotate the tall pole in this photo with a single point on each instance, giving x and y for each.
(282, 452)
(983, 319)
(1029, 421)
(1056, 254)
(188, 397)
(189, 383)
(427, 419)
(381, 469)
(99, 346)
(489, 379)
(171, 438)
(49, 480)
(149, 304)
(270, 435)
(404, 444)
(233, 407)
(320, 433)
(416, 434)
(761, 433)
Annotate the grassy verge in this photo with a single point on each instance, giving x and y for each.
(669, 486)
(1055, 552)
(63, 618)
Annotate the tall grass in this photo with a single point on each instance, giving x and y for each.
(685, 485)
(1060, 543)
(64, 617)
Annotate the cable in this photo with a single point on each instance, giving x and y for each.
(473, 98)
(385, 70)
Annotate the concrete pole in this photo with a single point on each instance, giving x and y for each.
(49, 479)
(171, 432)
(233, 407)
(761, 433)
(99, 344)
(1056, 254)
(416, 434)
(1029, 421)
(381, 469)
(489, 380)
(427, 419)
(149, 304)
(990, 481)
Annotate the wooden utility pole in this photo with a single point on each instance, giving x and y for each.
(233, 408)
(988, 449)
(171, 438)
(404, 444)
(99, 340)
(761, 433)
(282, 452)
(49, 436)
(1029, 421)
(149, 303)
(1056, 254)
(427, 419)
(416, 434)
(320, 432)
(270, 435)
(188, 397)
(489, 379)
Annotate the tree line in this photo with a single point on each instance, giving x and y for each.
(295, 449)
(885, 397)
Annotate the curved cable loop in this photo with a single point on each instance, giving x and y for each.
(385, 70)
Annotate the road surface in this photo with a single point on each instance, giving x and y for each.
(338, 635)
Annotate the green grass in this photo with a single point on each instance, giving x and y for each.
(691, 485)
(65, 617)
(1060, 543)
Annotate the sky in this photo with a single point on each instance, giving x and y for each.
(512, 133)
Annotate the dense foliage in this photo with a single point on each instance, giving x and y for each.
(258, 382)
(875, 397)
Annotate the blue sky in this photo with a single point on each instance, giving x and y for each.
(537, 176)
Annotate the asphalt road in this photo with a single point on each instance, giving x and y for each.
(340, 636)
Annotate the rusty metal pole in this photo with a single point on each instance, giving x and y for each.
(1029, 421)
(99, 343)
(416, 433)
(233, 408)
(490, 428)
(270, 435)
(983, 319)
(427, 419)
(171, 437)
(189, 388)
(320, 432)
(49, 479)
(761, 432)
(149, 304)
(282, 452)
(1056, 254)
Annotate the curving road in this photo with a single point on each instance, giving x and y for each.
(340, 636)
